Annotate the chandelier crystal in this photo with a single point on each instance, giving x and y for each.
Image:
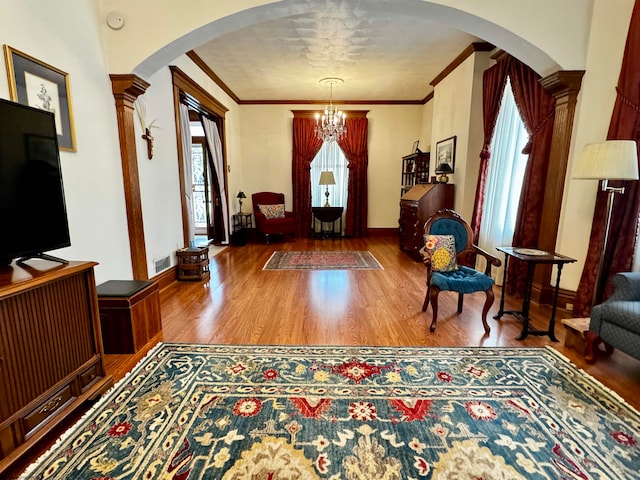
(330, 125)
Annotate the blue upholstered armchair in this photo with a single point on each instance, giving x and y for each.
(616, 322)
(448, 254)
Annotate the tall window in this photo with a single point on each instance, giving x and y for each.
(330, 157)
(504, 179)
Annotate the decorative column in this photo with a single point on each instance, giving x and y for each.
(126, 88)
(564, 86)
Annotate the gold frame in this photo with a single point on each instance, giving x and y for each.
(18, 65)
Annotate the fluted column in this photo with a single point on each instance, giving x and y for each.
(564, 86)
(126, 88)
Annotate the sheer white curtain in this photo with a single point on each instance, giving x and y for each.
(215, 147)
(504, 180)
(186, 158)
(330, 157)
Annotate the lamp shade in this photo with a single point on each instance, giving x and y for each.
(444, 168)
(610, 160)
(326, 178)
(241, 194)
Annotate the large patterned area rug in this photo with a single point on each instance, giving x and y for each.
(278, 412)
(333, 260)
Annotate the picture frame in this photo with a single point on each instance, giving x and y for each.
(446, 153)
(414, 149)
(37, 84)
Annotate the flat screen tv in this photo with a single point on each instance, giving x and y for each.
(33, 214)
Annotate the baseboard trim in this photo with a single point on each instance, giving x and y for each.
(166, 278)
(374, 232)
(543, 295)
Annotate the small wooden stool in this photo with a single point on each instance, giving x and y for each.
(576, 329)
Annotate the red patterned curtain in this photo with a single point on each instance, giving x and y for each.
(354, 146)
(306, 145)
(537, 109)
(494, 80)
(624, 125)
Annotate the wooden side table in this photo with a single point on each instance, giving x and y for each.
(193, 263)
(327, 215)
(532, 257)
(242, 221)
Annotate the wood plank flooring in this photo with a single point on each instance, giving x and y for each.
(242, 304)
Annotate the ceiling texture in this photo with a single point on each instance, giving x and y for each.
(382, 56)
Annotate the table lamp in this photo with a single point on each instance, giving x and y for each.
(240, 196)
(610, 160)
(443, 169)
(326, 178)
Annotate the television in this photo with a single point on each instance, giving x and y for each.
(33, 213)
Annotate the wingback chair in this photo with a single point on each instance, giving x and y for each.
(447, 254)
(271, 217)
(616, 321)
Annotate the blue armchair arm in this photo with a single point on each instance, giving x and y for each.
(627, 286)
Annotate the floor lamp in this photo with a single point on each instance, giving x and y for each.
(610, 160)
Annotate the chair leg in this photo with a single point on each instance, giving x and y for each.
(487, 305)
(460, 302)
(434, 308)
(426, 300)
(592, 343)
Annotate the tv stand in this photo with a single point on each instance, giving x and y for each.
(51, 350)
(43, 256)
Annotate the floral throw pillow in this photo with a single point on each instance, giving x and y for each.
(272, 211)
(442, 250)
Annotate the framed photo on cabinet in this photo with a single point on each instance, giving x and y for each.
(446, 153)
(36, 84)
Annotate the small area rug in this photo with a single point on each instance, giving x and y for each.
(366, 413)
(333, 260)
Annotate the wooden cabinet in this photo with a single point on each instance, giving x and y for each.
(50, 351)
(415, 170)
(416, 206)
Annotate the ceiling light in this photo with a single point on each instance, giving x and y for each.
(330, 125)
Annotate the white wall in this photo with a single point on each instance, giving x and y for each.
(595, 105)
(266, 138)
(67, 38)
(457, 110)
(159, 177)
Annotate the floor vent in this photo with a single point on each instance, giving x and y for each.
(163, 264)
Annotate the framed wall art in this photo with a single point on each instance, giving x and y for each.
(446, 153)
(36, 84)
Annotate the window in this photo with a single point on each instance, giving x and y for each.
(330, 157)
(504, 179)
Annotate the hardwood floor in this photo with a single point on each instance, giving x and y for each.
(242, 304)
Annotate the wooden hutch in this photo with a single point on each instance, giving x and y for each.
(416, 206)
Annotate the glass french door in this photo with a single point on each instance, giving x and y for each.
(202, 207)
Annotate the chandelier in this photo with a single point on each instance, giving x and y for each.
(330, 125)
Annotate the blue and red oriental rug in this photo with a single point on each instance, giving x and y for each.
(279, 412)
